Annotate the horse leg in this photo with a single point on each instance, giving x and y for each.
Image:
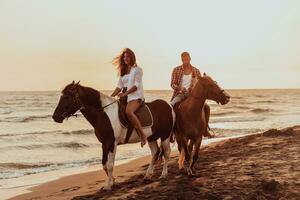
(184, 154)
(190, 147)
(167, 151)
(154, 149)
(196, 152)
(104, 158)
(181, 158)
(109, 166)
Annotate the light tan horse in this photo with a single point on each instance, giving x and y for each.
(190, 120)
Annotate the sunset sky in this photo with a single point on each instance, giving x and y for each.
(46, 44)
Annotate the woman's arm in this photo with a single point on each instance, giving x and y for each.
(137, 81)
(116, 92)
(118, 88)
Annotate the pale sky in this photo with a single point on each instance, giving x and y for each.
(45, 44)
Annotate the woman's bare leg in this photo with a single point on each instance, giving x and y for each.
(131, 107)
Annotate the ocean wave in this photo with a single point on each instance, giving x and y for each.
(261, 110)
(70, 145)
(76, 132)
(25, 169)
(236, 119)
(266, 101)
(4, 166)
(29, 118)
(25, 119)
(239, 107)
(237, 97)
(6, 112)
(222, 132)
(223, 113)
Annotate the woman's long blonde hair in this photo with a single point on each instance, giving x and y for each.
(119, 61)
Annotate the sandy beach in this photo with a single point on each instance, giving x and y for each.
(260, 166)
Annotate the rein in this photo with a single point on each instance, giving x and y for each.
(109, 104)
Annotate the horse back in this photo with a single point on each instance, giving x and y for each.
(163, 119)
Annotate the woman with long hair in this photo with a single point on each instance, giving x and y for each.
(131, 79)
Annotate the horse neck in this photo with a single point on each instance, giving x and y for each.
(196, 100)
(105, 99)
(95, 115)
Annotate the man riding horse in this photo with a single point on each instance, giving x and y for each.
(183, 78)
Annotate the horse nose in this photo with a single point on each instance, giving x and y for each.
(227, 95)
(54, 117)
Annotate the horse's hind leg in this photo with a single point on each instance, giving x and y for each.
(154, 149)
(167, 151)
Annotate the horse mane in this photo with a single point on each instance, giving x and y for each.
(89, 95)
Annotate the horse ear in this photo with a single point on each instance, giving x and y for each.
(204, 74)
(78, 83)
(73, 82)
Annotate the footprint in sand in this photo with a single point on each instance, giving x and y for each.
(71, 189)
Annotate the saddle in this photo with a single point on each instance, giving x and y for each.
(143, 113)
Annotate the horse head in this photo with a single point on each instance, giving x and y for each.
(69, 102)
(211, 90)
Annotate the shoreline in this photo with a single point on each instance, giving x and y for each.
(55, 175)
(87, 184)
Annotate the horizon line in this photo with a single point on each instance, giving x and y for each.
(153, 89)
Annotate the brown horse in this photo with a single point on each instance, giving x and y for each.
(102, 113)
(190, 119)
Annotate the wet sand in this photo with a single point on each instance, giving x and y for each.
(260, 166)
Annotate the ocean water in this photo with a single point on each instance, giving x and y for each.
(31, 142)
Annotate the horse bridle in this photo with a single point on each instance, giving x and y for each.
(196, 97)
(76, 100)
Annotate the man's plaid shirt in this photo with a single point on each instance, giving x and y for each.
(177, 75)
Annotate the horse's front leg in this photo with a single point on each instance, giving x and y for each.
(154, 150)
(109, 165)
(195, 156)
(183, 153)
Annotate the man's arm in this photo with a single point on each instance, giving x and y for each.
(174, 81)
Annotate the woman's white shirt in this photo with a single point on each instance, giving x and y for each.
(134, 78)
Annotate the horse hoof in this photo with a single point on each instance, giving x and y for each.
(191, 175)
(147, 179)
(106, 188)
(181, 171)
(162, 177)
